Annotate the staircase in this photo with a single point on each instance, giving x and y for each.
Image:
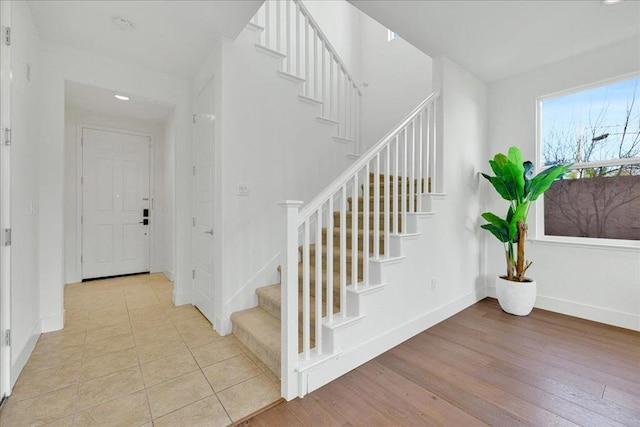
(339, 250)
(258, 328)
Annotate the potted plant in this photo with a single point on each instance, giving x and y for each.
(514, 181)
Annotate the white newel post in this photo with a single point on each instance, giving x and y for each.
(289, 298)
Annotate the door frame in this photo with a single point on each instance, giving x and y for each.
(152, 189)
(5, 205)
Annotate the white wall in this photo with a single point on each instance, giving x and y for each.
(594, 282)
(268, 139)
(64, 63)
(73, 119)
(25, 314)
(463, 134)
(168, 208)
(399, 78)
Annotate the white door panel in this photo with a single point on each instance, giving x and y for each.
(5, 206)
(203, 233)
(115, 191)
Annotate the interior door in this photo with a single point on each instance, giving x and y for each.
(5, 208)
(115, 203)
(203, 233)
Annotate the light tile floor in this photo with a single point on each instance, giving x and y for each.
(128, 357)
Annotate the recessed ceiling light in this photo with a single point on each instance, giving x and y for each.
(610, 2)
(122, 97)
(122, 23)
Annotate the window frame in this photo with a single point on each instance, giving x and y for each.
(539, 231)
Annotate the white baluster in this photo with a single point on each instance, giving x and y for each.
(387, 218)
(298, 73)
(420, 160)
(287, 33)
(330, 228)
(427, 162)
(318, 287)
(365, 225)
(323, 77)
(307, 53)
(339, 102)
(306, 293)
(434, 161)
(354, 231)
(331, 97)
(343, 252)
(357, 124)
(315, 64)
(347, 113)
(267, 24)
(396, 195)
(412, 159)
(278, 18)
(376, 209)
(403, 192)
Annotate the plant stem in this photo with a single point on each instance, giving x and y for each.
(522, 231)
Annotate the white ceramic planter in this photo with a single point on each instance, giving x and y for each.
(516, 297)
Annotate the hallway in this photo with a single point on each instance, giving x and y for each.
(128, 356)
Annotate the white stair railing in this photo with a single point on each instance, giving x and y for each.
(289, 29)
(399, 168)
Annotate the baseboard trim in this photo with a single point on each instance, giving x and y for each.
(25, 353)
(168, 274)
(352, 358)
(181, 298)
(52, 323)
(583, 311)
(223, 326)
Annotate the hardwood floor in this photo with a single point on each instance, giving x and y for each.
(485, 367)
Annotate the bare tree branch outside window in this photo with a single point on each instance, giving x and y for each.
(594, 129)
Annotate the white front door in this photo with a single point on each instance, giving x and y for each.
(203, 233)
(115, 199)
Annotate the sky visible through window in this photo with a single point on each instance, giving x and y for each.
(589, 126)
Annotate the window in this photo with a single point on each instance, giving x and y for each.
(598, 130)
(391, 35)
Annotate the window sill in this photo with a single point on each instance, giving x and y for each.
(582, 242)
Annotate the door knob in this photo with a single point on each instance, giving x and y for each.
(209, 232)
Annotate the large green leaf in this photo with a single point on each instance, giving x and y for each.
(505, 189)
(495, 220)
(541, 182)
(500, 233)
(515, 157)
(497, 164)
(514, 179)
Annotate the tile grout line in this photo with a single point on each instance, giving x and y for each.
(135, 346)
(86, 302)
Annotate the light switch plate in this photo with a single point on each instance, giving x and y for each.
(243, 190)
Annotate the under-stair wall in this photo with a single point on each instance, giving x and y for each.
(433, 268)
(270, 140)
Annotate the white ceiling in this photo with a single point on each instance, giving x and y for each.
(497, 39)
(171, 36)
(99, 100)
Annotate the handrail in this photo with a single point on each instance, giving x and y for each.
(345, 176)
(324, 38)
